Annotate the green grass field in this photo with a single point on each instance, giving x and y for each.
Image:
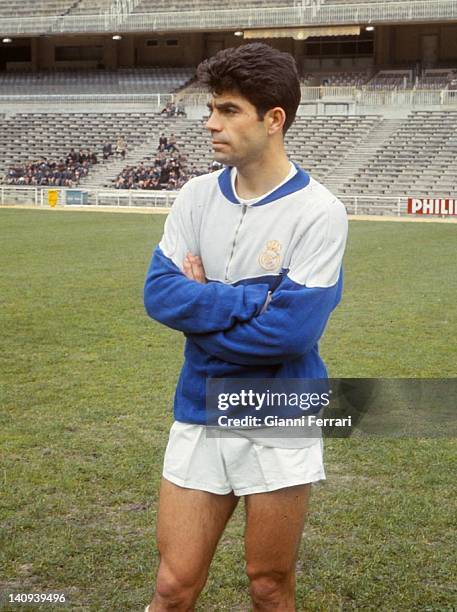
(86, 389)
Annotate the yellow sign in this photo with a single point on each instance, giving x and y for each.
(53, 197)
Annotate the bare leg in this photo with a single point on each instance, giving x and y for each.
(189, 526)
(274, 524)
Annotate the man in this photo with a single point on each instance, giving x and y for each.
(249, 269)
(121, 147)
(172, 145)
(107, 150)
(92, 157)
(163, 142)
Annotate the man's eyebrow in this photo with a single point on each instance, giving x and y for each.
(223, 105)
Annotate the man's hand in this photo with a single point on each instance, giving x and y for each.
(193, 268)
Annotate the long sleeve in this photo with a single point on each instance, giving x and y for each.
(191, 307)
(182, 304)
(301, 305)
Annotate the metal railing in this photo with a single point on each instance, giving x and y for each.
(406, 97)
(362, 96)
(157, 100)
(303, 15)
(13, 195)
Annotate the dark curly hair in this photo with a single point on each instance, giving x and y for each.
(263, 75)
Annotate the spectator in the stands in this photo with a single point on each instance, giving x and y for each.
(166, 109)
(172, 146)
(163, 142)
(121, 147)
(164, 171)
(63, 173)
(91, 157)
(180, 109)
(107, 150)
(169, 109)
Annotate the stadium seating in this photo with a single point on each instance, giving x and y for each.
(123, 81)
(361, 1)
(313, 79)
(32, 8)
(27, 8)
(436, 79)
(151, 6)
(391, 79)
(315, 143)
(31, 136)
(418, 159)
(340, 79)
(318, 143)
(91, 7)
(352, 155)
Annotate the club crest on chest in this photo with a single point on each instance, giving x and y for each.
(270, 258)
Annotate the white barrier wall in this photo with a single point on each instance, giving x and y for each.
(101, 198)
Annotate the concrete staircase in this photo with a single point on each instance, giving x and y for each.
(102, 174)
(343, 177)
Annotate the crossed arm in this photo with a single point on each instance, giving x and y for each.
(231, 323)
(240, 323)
(180, 297)
(286, 329)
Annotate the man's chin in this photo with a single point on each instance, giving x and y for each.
(222, 158)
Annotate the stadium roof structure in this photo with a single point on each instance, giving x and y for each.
(121, 18)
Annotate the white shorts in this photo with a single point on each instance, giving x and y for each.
(222, 465)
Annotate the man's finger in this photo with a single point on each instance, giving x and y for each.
(187, 268)
(198, 270)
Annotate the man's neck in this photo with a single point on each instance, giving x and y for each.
(259, 177)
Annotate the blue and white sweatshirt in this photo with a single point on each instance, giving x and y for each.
(274, 272)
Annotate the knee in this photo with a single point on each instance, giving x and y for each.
(176, 591)
(270, 588)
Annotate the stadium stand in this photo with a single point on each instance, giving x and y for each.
(356, 159)
(166, 169)
(28, 8)
(66, 172)
(317, 143)
(91, 7)
(436, 79)
(314, 79)
(361, 1)
(30, 136)
(172, 79)
(123, 81)
(352, 155)
(419, 157)
(339, 79)
(150, 6)
(395, 79)
(391, 79)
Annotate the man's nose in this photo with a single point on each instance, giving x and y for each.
(213, 125)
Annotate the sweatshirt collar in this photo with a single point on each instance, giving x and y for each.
(298, 181)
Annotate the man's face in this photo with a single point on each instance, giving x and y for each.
(238, 136)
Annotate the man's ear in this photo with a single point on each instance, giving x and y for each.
(275, 117)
